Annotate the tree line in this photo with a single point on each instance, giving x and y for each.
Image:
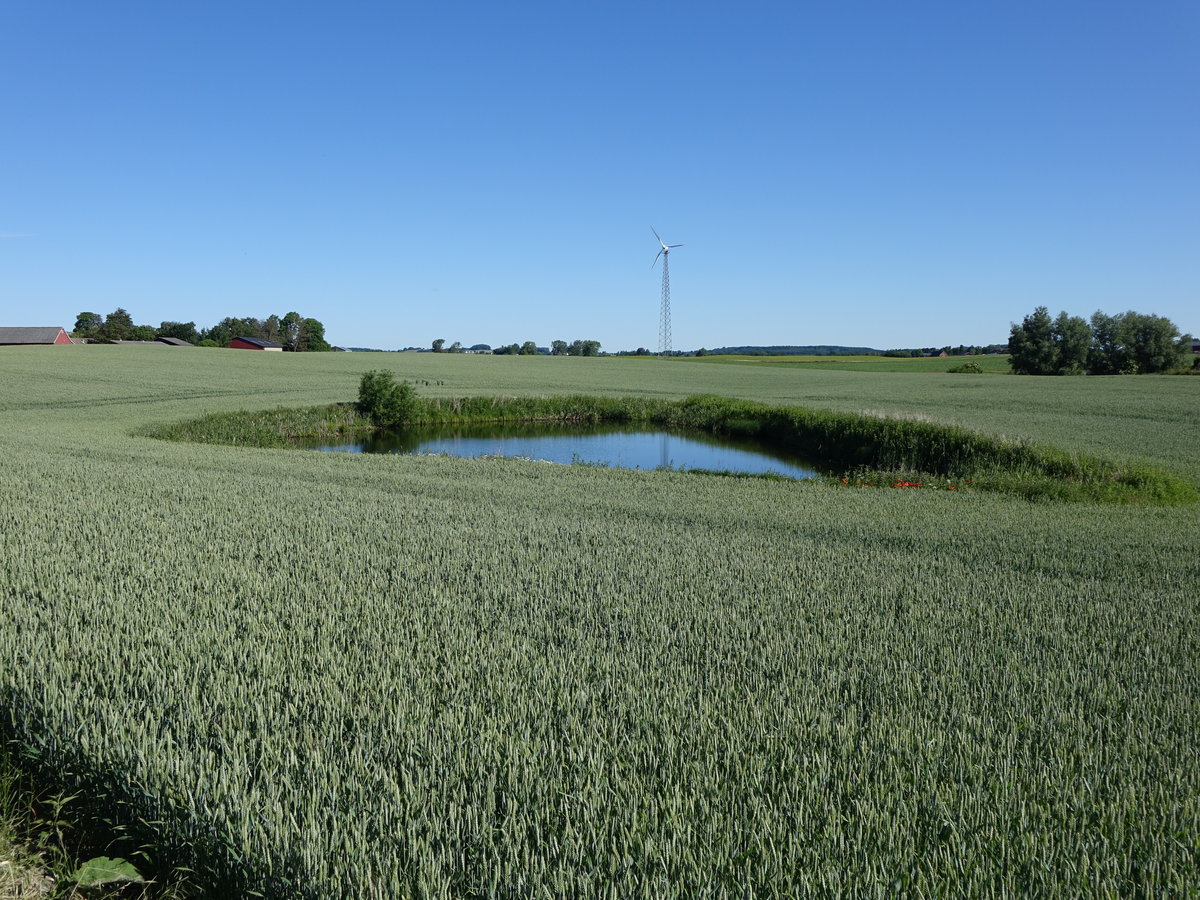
(1127, 343)
(960, 350)
(529, 348)
(291, 331)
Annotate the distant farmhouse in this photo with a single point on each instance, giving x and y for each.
(18, 337)
(251, 343)
(157, 342)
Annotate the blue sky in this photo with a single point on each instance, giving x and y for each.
(866, 173)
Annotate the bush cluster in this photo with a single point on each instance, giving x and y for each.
(385, 401)
(1128, 343)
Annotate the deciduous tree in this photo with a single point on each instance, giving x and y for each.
(272, 329)
(117, 326)
(289, 331)
(1153, 343)
(1072, 342)
(312, 336)
(1031, 345)
(87, 323)
(1107, 355)
(386, 401)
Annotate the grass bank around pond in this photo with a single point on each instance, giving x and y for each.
(869, 450)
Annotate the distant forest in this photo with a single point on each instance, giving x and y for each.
(789, 350)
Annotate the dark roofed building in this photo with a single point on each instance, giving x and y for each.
(17, 337)
(250, 343)
(173, 342)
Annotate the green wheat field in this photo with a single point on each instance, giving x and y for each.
(339, 676)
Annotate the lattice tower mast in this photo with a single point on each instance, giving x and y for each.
(664, 319)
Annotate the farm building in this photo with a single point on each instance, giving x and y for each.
(157, 342)
(16, 337)
(250, 343)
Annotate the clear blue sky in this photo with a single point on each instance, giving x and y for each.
(872, 173)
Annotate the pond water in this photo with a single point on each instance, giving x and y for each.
(619, 446)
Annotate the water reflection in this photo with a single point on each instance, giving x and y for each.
(626, 447)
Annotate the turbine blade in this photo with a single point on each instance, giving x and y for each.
(671, 246)
(656, 234)
(656, 256)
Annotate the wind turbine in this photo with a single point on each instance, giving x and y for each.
(664, 321)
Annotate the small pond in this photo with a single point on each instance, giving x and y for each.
(619, 446)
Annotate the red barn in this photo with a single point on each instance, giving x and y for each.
(18, 337)
(249, 343)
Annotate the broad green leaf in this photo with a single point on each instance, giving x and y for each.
(106, 870)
